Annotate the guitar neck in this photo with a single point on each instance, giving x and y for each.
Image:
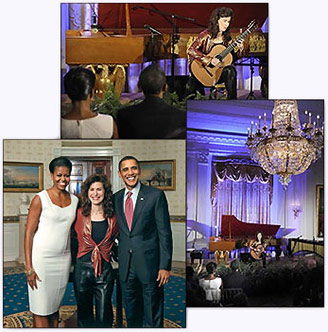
(230, 48)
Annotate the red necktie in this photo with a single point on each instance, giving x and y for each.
(129, 210)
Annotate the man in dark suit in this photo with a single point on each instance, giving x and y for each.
(153, 117)
(145, 247)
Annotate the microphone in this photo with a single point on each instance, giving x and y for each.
(94, 25)
(153, 30)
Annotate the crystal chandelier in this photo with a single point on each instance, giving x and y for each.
(286, 148)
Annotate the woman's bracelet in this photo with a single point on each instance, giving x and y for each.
(29, 272)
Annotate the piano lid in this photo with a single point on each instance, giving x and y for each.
(232, 227)
(112, 15)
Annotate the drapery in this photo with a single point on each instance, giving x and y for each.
(242, 190)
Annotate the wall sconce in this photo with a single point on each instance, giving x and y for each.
(297, 210)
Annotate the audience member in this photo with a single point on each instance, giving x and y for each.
(211, 284)
(81, 121)
(153, 117)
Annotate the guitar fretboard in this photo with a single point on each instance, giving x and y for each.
(230, 48)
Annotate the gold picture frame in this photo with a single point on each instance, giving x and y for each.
(158, 173)
(22, 177)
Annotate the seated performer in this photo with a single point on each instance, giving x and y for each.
(153, 117)
(218, 33)
(257, 248)
(211, 284)
(81, 121)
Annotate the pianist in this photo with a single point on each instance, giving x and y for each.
(152, 118)
(81, 121)
(218, 33)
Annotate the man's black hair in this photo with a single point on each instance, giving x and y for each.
(152, 80)
(127, 158)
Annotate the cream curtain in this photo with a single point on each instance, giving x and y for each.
(244, 191)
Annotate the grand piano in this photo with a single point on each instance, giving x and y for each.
(236, 234)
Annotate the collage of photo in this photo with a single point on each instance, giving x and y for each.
(176, 181)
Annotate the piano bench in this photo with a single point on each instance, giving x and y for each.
(196, 254)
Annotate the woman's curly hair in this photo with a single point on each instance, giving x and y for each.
(213, 24)
(108, 197)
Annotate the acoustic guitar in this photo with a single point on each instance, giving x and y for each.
(257, 251)
(208, 75)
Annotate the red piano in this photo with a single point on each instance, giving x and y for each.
(236, 234)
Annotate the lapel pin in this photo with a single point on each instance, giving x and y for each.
(141, 198)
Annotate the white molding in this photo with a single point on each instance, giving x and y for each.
(85, 152)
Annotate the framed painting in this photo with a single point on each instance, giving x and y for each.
(22, 177)
(158, 173)
(320, 210)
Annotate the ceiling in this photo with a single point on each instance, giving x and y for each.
(220, 126)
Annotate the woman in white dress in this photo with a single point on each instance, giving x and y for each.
(47, 245)
(211, 284)
(81, 121)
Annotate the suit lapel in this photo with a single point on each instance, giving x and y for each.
(120, 210)
(140, 203)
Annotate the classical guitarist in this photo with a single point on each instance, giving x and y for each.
(218, 33)
(257, 248)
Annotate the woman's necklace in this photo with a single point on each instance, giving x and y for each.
(97, 214)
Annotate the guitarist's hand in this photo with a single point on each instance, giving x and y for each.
(240, 45)
(216, 62)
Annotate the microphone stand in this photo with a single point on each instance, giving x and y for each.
(152, 47)
(251, 95)
(152, 44)
(174, 37)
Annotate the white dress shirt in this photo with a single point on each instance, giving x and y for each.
(134, 196)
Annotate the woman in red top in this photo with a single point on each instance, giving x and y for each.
(96, 230)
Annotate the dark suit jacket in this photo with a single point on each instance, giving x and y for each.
(149, 244)
(152, 118)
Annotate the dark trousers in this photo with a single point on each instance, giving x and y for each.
(89, 288)
(143, 303)
(228, 77)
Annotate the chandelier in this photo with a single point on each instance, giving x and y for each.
(286, 148)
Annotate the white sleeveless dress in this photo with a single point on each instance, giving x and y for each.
(101, 126)
(51, 255)
(212, 288)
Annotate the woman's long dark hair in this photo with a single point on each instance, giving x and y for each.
(262, 238)
(213, 24)
(108, 198)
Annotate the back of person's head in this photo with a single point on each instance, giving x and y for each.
(79, 83)
(152, 80)
(211, 267)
